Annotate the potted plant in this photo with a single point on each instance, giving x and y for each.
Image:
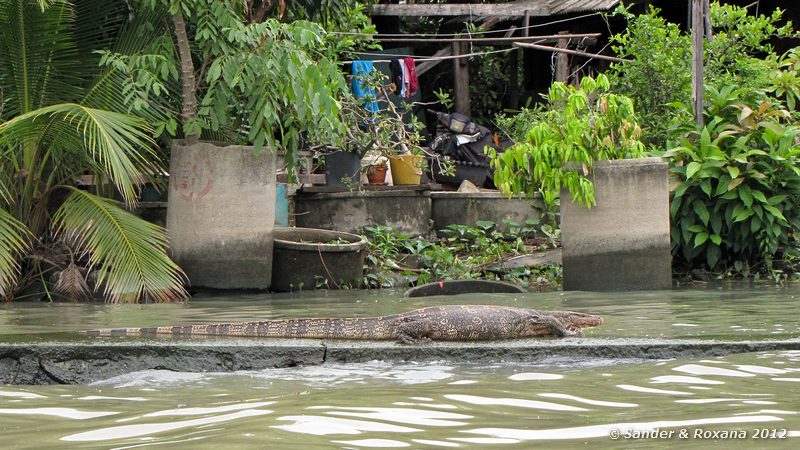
(255, 84)
(376, 170)
(382, 131)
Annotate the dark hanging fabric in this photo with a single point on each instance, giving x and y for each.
(397, 74)
(412, 84)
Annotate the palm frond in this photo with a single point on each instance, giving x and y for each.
(13, 243)
(129, 252)
(119, 143)
(38, 64)
(71, 283)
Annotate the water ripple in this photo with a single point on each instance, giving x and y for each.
(477, 400)
(321, 425)
(66, 413)
(144, 429)
(697, 369)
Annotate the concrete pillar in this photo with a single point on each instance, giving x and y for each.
(221, 214)
(622, 243)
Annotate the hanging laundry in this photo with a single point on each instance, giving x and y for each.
(362, 69)
(411, 82)
(404, 82)
(395, 66)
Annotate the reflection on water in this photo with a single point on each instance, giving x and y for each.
(381, 405)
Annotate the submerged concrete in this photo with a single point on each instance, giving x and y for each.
(85, 362)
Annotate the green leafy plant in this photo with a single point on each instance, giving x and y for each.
(576, 128)
(62, 118)
(737, 183)
(242, 78)
(658, 72)
(459, 252)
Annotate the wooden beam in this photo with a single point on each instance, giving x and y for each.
(570, 52)
(492, 40)
(512, 9)
(428, 65)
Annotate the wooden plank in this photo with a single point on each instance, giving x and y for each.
(513, 9)
(428, 65)
(571, 52)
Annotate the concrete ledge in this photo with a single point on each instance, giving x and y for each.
(407, 210)
(467, 208)
(80, 363)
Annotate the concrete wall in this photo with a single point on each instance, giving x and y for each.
(221, 215)
(623, 242)
(466, 208)
(407, 211)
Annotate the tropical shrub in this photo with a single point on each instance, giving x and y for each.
(659, 71)
(61, 118)
(233, 75)
(736, 194)
(574, 129)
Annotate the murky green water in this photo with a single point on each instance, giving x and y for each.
(715, 313)
(556, 403)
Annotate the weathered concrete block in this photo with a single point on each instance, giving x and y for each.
(221, 214)
(466, 208)
(623, 242)
(407, 211)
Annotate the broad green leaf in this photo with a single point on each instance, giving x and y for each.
(734, 183)
(692, 169)
(745, 195)
(700, 239)
(701, 210)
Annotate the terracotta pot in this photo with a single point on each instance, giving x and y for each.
(376, 174)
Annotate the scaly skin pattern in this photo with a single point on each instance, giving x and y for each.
(435, 323)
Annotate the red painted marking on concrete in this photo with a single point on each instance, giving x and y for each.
(194, 179)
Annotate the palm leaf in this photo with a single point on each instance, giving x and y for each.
(129, 252)
(71, 283)
(13, 242)
(38, 64)
(119, 143)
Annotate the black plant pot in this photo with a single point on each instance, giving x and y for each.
(342, 169)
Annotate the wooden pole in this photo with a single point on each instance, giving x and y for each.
(461, 81)
(698, 30)
(562, 61)
(570, 52)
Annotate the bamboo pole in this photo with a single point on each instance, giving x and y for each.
(570, 52)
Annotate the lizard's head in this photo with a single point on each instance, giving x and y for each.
(577, 320)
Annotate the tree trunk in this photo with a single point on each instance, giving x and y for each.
(189, 110)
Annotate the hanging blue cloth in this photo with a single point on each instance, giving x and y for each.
(361, 90)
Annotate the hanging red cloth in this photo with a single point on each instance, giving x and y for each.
(412, 84)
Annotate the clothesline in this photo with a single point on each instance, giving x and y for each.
(430, 58)
(410, 35)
